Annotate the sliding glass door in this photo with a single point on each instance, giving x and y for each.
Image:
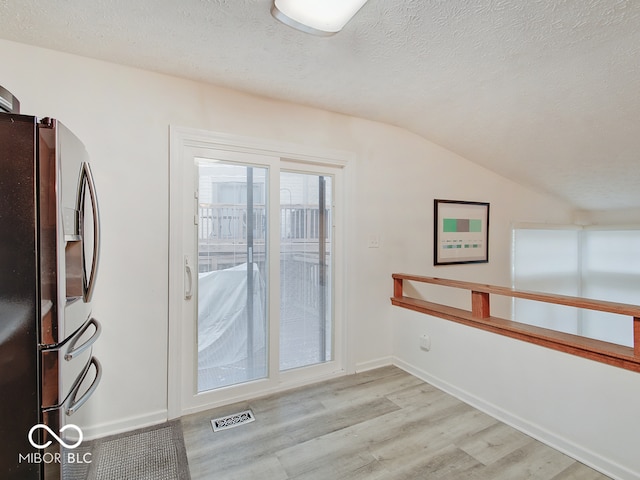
(306, 326)
(232, 328)
(260, 278)
(256, 277)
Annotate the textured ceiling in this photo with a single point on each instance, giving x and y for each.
(546, 92)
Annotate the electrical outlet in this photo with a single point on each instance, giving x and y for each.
(374, 241)
(425, 342)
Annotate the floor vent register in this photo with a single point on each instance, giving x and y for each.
(230, 421)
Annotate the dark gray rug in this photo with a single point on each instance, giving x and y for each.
(152, 453)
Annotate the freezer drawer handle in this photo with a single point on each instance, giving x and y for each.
(74, 350)
(73, 405)
(86, 182)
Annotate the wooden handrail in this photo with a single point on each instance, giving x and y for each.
(480, 317)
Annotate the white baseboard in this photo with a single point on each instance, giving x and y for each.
(373, 364)
(125, 425)
(583, 455)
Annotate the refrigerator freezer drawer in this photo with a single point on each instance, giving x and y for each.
(84, 387)
(57, 325)
(65, 364)
(75, 315)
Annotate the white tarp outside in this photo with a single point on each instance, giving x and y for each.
(222, 316)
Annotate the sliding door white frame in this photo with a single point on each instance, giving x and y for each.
(184, 141)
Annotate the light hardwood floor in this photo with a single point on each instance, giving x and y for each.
(383, 424)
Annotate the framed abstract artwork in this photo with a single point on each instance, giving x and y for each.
(461, 232)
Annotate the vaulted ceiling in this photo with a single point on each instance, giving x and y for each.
(545, 92)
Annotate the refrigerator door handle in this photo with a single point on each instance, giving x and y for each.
(86, 182)
(73, 404)
(73, 350)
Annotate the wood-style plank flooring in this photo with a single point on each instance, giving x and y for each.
(383, 424)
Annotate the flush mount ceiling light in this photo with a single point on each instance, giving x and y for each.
(318, 17)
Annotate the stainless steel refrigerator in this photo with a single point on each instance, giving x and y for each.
(49, 248)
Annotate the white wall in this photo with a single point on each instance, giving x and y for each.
(122, 115)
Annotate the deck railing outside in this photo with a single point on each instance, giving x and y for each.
(480, 317)
(222, 237)
(220, 223)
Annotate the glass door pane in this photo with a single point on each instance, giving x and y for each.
(306, 319)
(232, 273)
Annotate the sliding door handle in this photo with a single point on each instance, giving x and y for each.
(188, 286)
